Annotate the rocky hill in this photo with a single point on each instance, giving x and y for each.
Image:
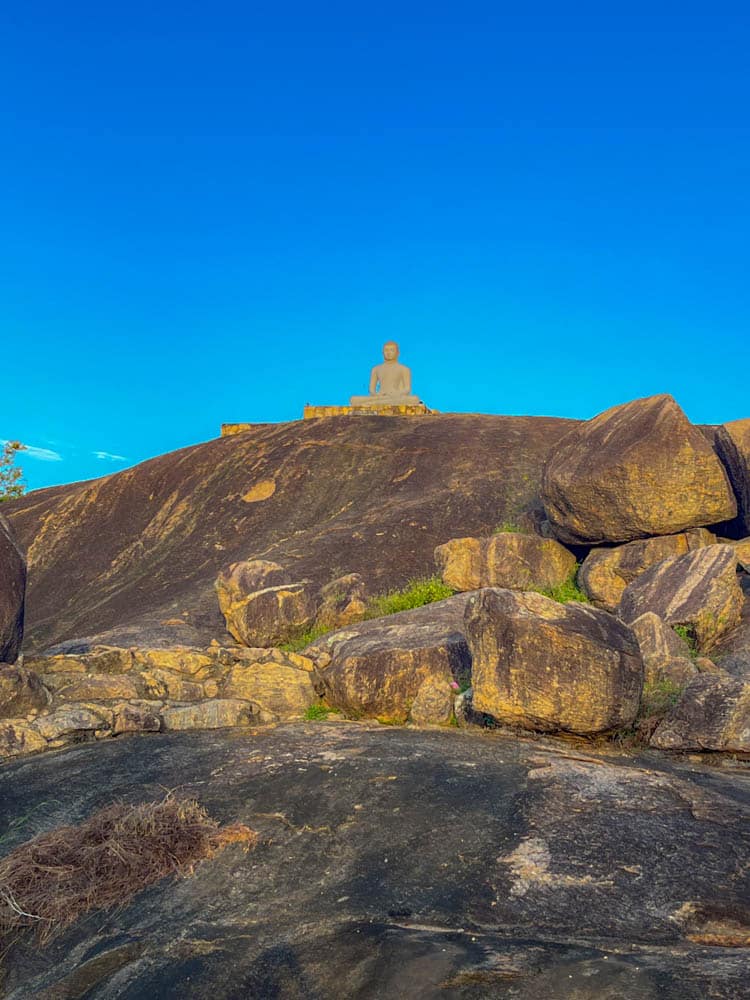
(133, 551)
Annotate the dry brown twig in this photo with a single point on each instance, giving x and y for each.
(50, 881)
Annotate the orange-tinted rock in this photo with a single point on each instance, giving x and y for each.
(508, 559)
(548, 666)
(375, 669)
(636, 470)
(605, 573)
(699, 591)
(21, 692)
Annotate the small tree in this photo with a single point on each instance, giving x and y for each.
(11, 477)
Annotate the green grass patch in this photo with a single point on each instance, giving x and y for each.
(415, 594)
(317, 712)
(299, 643)
(568, 591)
(505, 527)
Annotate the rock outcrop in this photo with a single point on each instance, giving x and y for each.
(372, 496)
(699, 591)
(732, 442)
(12, 593)
(78, 697)
(402, 863)
(605, 573)
(636, 470)
(377, 669)
(509, 559)
(712, 714)
(549, 666)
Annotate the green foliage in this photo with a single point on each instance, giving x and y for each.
(11, 477)
(568, 591)
(658, 697)
(300, 641)
(506, 526)
(687, 634)
(415, 594)
(317, 712)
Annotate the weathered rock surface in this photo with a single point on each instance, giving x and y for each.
(12, 594)
(91, 687)
(433, 705)
(218, 713)
(605, 573)
(342, 601)
(433, 865)
(262, 605)
(280, 690)
(73, 721)
(375, 669)
(636, 470)
(665, 655)
(371, 496)
(508, 559)
(699, 590)
(21, 692)
(101, 660)
(742, 550)
(732, 651)
(712, 714)
(18, 737)
(549, 666)
(732, 442)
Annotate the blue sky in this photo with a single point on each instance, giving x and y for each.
(218, 212)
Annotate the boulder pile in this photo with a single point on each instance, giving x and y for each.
(596, 619)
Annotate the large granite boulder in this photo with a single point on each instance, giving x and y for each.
(732, 442)
(262, 605)
(549, 666)
(699, 591)
(636, 470)
(376, 669)
(605, 573)
(509, 559)
(21, 692)
(12, 594)
(666, 656)
(712, 714)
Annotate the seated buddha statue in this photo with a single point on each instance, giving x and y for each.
(390, 382)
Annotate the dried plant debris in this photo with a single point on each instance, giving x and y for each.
(51, 881)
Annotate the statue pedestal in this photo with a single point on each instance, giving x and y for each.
(367, 410)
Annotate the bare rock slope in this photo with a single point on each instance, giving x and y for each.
(135, 555)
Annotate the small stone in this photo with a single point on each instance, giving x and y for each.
(508, 559)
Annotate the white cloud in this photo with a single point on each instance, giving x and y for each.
(42, 454)
(106, 456)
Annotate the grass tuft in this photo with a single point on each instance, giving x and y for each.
(506, 527)
(416, 593)
(568, 591)
(317, 712)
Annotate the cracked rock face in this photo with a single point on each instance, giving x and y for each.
(392, 862)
